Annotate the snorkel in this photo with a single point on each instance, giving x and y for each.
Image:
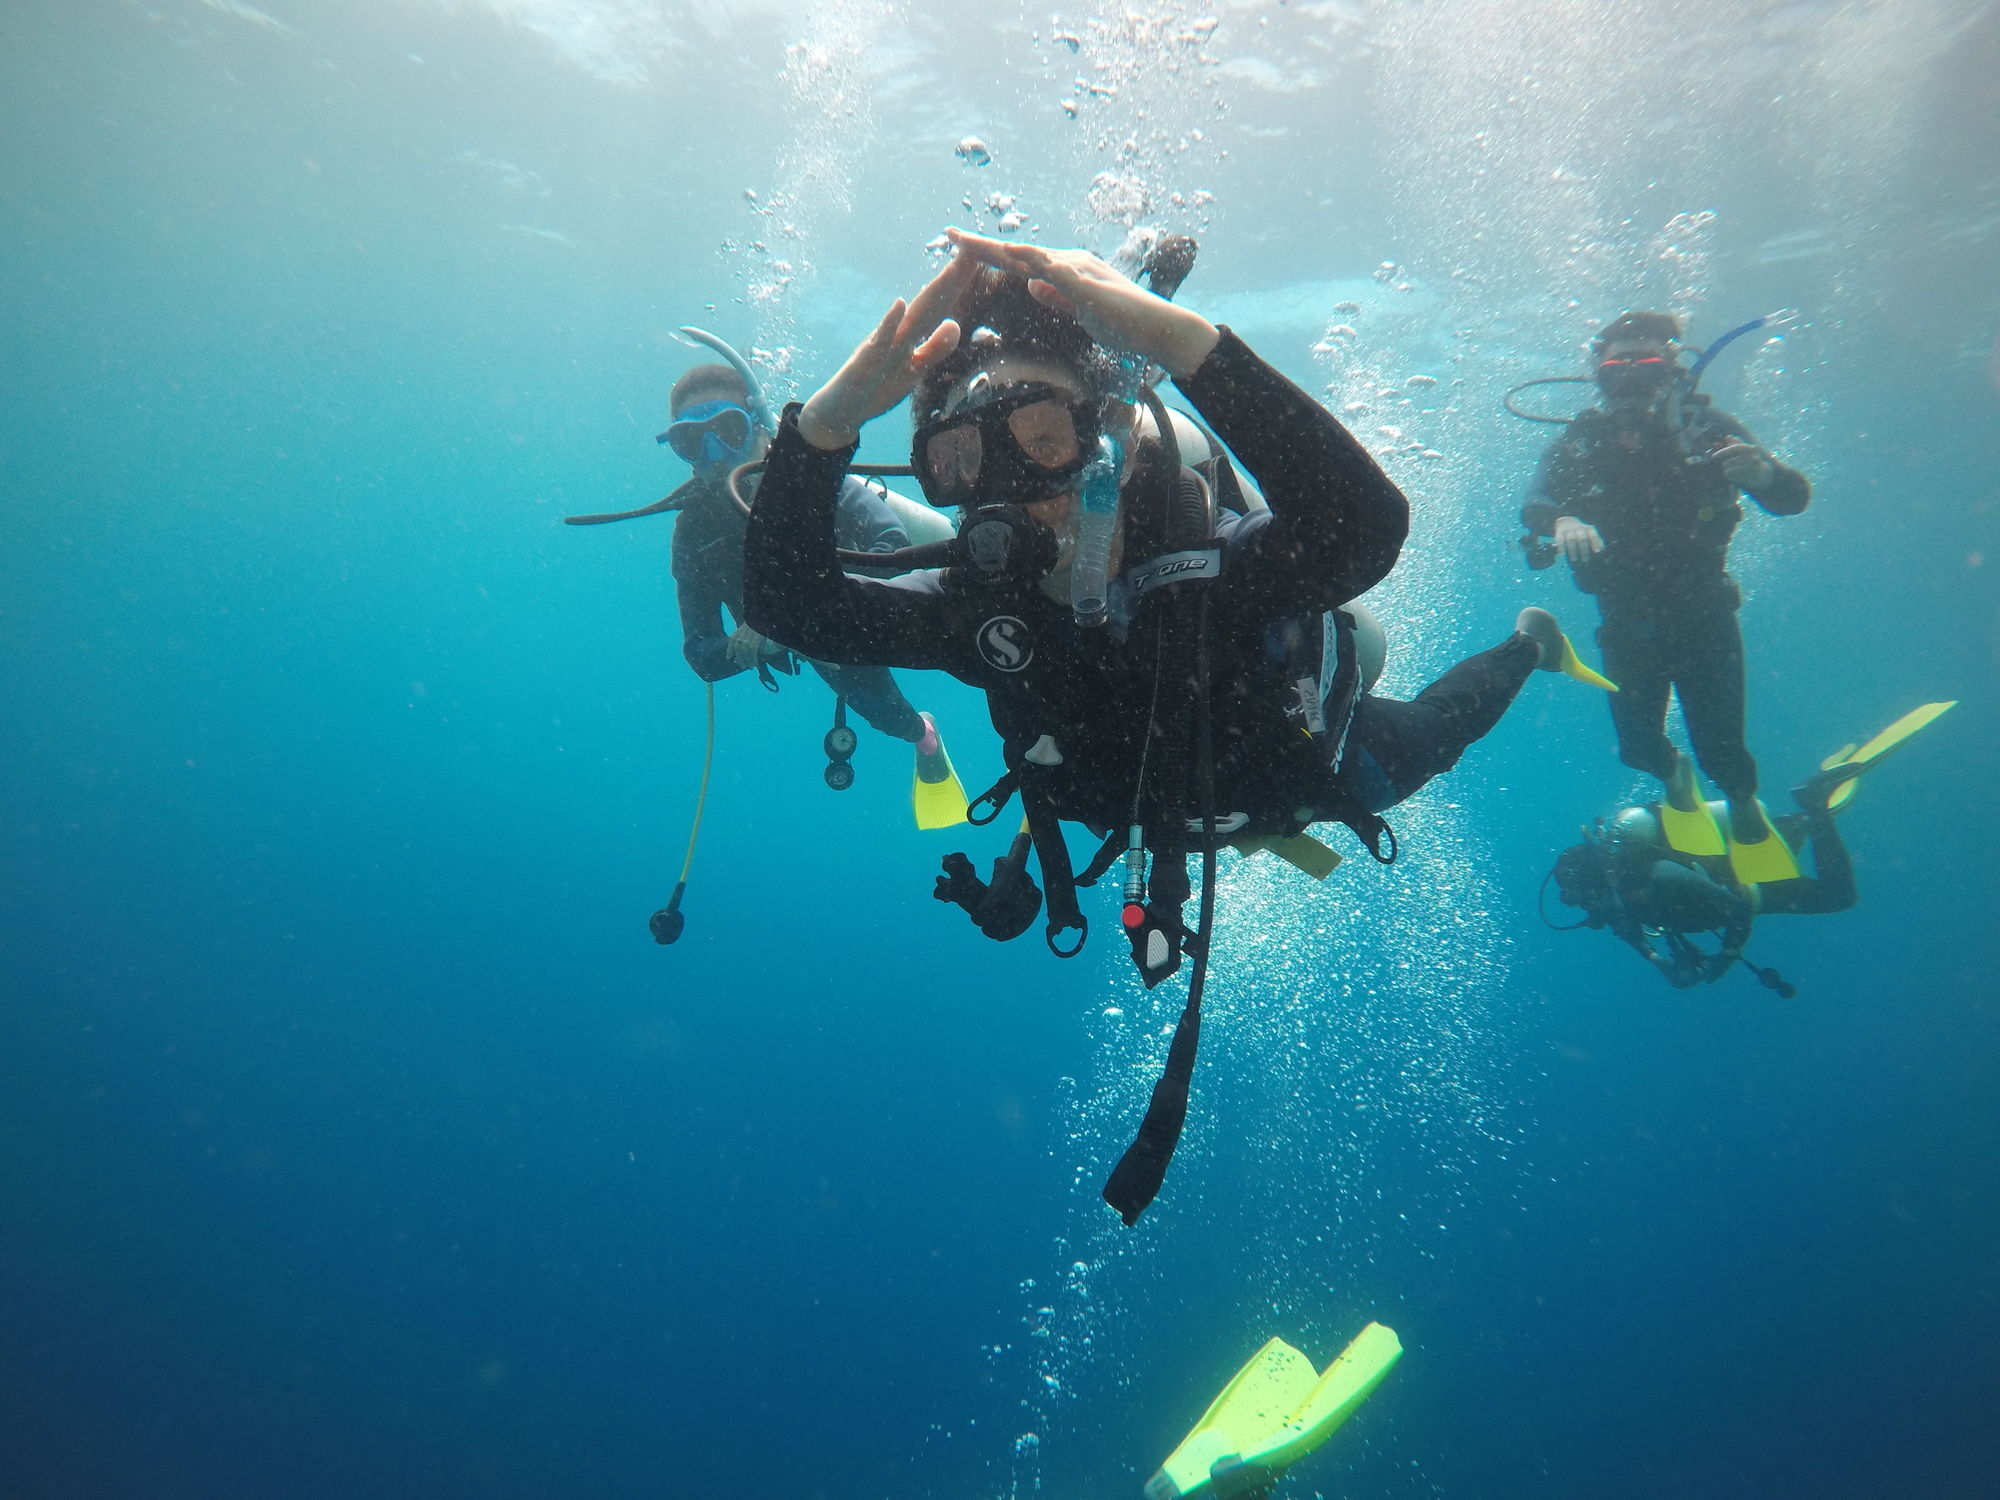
(1097, 519)
(754, 399)
(1683, 388)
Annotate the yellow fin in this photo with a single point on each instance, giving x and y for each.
(1766, 861)
(1875, 749)
(1574, 666)
(1301, 851)
(1275, 1410)
(936, 796)
(1691, 830)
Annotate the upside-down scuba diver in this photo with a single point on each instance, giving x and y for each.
(1170, 677)
(1627, 877)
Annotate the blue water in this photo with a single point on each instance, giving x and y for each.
(357, 1140)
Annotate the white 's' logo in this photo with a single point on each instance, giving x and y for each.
(1005, 643)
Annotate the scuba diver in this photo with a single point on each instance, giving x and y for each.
(721, 420)
(1626, 877)
(1639, 494)
(1171, 679)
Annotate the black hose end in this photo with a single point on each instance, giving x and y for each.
(666, 926)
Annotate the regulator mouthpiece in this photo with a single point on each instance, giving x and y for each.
(1090, 566)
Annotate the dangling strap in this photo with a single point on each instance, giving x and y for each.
(1058, 876)
(1137, 1178)
(1105, 857)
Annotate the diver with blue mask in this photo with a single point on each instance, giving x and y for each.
(721, 421)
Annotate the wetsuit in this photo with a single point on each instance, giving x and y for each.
(1333, 529)
(708, 578)
(1667, 600)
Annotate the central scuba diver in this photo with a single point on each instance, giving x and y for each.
(1639, 494)
(1169, 678)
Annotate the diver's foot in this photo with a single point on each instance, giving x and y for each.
(1682, 794)
(1541, 627)
(927, 743)
(1815, 792)
(1747, 824)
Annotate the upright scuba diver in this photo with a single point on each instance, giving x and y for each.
(1627, 878)
(1640, 495)
(1171, 679)
(721, 421)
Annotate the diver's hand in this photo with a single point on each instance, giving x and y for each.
(884, 369)
(1744, 465)
(1578, 539)
(1114, 310)
(745, 646)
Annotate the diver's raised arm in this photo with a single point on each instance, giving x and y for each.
(885, 367)
(1337, 521)
(1114, 310)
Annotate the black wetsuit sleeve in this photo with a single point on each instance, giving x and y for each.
(1787, 491)
(793, 588)
(1337, 521)
(704, 634)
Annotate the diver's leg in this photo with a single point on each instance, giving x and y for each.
(1708, 677)
(873, 694)
(1632, 659)
(1414, 741)
(1832, 886)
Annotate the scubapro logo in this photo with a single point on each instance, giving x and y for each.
(1005, 644)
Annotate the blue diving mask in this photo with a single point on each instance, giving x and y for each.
(710, 433)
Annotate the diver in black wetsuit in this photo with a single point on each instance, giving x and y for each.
(1658, 899)
(714, 432)
(1171, 679)
(1643, 509)
(1010, 401)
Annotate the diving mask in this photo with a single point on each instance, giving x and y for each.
(1635, 375)
(710, 433)
(1021, 443)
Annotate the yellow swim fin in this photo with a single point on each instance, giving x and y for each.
(1574, 666)
(1558, 651)
(1686, 822)
(1301, 851)
(936, 796)
(1877, 748)
(1762, 861)
(1273, 1412)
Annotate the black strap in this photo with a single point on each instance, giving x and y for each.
(1135, 1182)
(998, 794)
(1105, 857)
(1058, 876)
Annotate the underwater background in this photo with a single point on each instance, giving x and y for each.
(356, 1139)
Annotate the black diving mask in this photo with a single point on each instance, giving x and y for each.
(1021, 444)
(1636, 377)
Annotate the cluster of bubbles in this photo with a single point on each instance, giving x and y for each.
(1366, 384)
(828, 85)
(1145, 93)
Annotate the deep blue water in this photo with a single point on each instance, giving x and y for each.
(357, 1140)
